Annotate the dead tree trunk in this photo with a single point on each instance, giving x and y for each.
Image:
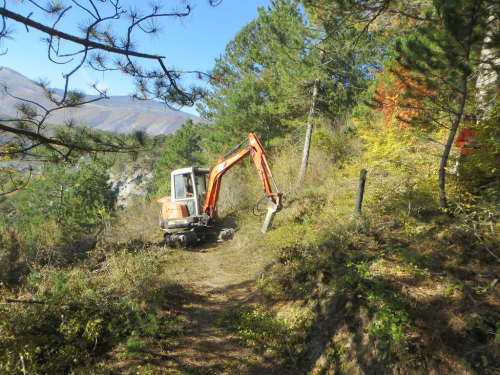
(487, 71)
(307, 143)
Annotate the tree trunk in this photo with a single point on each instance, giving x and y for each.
(307, 143)
(487, 75)
(443, 201)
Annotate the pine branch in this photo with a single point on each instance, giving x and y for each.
(84, 42)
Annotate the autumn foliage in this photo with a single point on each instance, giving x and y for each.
(400, 95)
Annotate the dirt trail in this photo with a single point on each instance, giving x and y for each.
(215, 278)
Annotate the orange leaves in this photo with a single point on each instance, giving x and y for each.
(400, 96)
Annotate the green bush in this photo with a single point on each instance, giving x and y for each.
(63, 319)
(54, 219)
(263, 329)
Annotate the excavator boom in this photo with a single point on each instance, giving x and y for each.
(226, 162)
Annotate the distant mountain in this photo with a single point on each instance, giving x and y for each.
(119, 114)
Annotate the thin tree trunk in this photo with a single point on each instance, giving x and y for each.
(443, 201)
(307, 143)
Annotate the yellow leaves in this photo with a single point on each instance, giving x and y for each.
(5, 151)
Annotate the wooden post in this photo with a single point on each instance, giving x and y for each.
(361, 191)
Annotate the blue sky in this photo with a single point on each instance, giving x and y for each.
(191, 43)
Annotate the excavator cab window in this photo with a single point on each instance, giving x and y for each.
(180, 183)
(184, 191)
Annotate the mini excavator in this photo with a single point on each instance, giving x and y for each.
(189, 215)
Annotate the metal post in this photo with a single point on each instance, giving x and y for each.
(361, 190)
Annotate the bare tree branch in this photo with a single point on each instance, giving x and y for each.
(100, 40)
(84, 42)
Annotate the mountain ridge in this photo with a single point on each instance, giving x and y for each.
(119, 114)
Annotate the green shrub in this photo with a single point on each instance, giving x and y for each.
(258, 328)
(64, 318)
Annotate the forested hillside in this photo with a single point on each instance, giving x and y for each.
(403, 93)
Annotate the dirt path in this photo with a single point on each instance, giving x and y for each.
(215, 278)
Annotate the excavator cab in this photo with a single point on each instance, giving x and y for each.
(188, 186)
(183, 210)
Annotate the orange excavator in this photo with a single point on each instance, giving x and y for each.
(189, 214)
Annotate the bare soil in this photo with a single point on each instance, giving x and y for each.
(214, 278)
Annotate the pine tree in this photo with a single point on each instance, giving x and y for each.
(281, 74)
(181, 149)
(444, 52)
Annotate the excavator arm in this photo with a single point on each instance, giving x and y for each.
(226, 162)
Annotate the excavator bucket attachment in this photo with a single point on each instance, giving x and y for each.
(272, 208)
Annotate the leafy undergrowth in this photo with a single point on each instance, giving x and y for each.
(394, 290)
(277, 336)
(402, 288)
(63, 320)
